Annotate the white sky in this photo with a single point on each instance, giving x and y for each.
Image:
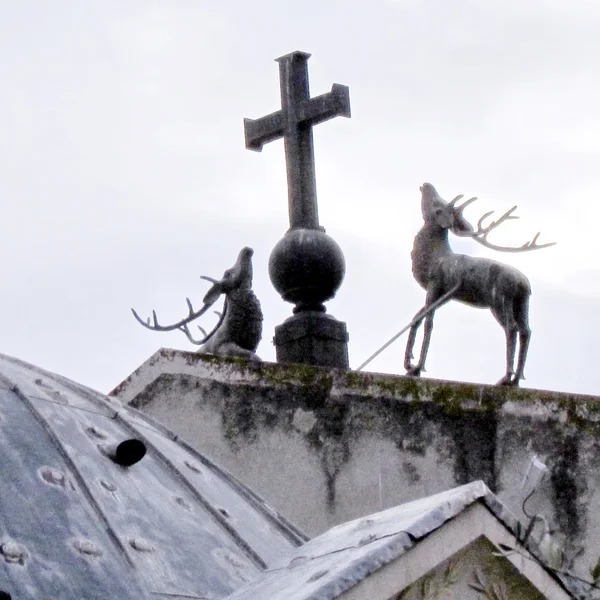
(124, 176)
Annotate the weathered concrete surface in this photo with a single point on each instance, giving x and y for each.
(325, 446)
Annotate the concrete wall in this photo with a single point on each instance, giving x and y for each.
(324, 446)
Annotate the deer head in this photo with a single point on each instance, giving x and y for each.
(239, 276)
(447, 215)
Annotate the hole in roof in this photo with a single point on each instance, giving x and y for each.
(224, 513)
(5, 596)
(130, 452)
(126, 454)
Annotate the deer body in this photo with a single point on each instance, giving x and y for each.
(478, 282)
(482, 281)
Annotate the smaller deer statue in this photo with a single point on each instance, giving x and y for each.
(475, 281)
(239, 328)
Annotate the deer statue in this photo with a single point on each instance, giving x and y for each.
(475, 281)
(239, 329)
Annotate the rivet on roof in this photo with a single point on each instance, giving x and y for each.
(367, 539)
(237, 567)
(363, 524)
(95, 433)
(192, 466)
(52, 476)
(107, 485)
(87, 547)
(317, 575)
(13, 552)
(183, 503)
(141, 545)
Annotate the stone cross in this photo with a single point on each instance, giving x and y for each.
(294, 122)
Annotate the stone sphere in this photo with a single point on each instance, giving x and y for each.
(307, 268)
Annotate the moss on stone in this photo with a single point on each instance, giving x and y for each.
(402, 386)
(582, 412)
(356, 379)
(448, 400)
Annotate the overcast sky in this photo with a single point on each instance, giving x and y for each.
(123, 172)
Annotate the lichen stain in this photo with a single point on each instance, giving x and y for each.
(238, 418)
(411, 472)
(330, 439)
(334, 455)
(464, 437)
(568, 485)
(474, 440)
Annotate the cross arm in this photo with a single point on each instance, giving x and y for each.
(326, 106)
(261, 131)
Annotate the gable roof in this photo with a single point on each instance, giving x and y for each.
(327, 566)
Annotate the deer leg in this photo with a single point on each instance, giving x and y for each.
(433, 295)
(522, 316)
(511, 346)
(408, 355)
(524, 336)
(428, 328)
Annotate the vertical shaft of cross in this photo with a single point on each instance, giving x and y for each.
(298, 141)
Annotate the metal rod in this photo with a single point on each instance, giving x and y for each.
(422, 313)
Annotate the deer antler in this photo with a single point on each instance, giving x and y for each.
(156, 326)
(210, 298)
(482, 232)
(207, 336)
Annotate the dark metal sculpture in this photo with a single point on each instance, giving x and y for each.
(239, 328)
(478, 282)
(306, 266)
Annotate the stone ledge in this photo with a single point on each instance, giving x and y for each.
(342, 383)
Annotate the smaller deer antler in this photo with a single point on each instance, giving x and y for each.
(480, 235)
(156, 326)
(207, 336)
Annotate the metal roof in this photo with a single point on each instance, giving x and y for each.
(328, 565)
(75, 524)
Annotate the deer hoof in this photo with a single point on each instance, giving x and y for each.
(414, 371)
(509, 380)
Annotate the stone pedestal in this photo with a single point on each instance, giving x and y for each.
(312, 338)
